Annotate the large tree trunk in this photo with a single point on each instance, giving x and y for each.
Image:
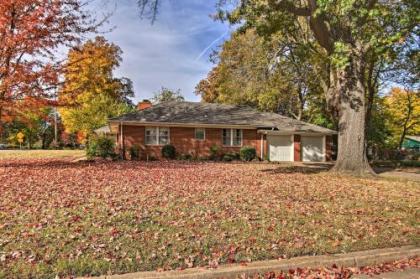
(349, 94)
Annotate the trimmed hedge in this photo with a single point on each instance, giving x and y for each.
(248, 153)
(228, 157)
(168, 151)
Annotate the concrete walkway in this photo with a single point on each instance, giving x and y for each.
(354, 259)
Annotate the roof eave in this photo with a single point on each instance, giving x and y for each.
(180, 124)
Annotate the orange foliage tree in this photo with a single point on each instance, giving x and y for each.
(30, 33)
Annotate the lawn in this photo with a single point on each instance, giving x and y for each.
(59, 217)
(39, 154)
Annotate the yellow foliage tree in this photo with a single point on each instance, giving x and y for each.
(91, 94)
(403, 107)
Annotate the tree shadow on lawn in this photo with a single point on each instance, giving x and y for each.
(305, 168)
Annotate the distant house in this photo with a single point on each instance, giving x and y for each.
(411, 143)
(105, 131)
(193, 128)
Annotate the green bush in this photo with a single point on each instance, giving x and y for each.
(168, 151)
(91, 149)
(412, 163)
(185, 157)
(101, 147)
(214, 152)
(228, 157)
(135, 152)
(248, 153)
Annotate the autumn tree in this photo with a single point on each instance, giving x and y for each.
(403, 107)
(91, 94)
(30, 33)
(267, 73)
(167, 95)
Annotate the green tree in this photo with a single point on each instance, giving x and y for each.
(350, 32)
(267, 73)
(36, 125)
(167, 95)
(91, 94)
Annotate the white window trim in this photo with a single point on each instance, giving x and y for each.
(157, 136)
(231, 137)
(195, 134)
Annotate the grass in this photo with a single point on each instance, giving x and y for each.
(39, 154)
(72, 219)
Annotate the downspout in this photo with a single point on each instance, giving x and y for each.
(122, 140)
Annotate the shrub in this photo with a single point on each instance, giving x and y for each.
(185, 157)
(101, 147)
(214, 152)
(248, 153)
(228, 157)
(168, 151)
(105, 148)
(134, 152)
(412, 163)
(91, 149)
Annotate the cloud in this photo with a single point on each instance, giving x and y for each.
(173, 52)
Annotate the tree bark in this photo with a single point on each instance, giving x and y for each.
(350, 96)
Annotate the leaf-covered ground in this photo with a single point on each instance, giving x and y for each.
(336, 272)
(66, 218)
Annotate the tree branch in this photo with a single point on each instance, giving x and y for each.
(290, 7)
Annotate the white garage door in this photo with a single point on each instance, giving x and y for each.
(280, 148)
(312, 149)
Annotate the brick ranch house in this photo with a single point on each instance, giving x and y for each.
(192, 128)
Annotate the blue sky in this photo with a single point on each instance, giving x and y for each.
(173, 52)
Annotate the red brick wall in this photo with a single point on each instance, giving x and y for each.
(185, 143)
(328, 148)
(296, 147)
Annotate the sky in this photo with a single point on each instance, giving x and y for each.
(173, 52)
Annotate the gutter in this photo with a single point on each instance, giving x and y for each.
(292, 132)
(177, 124)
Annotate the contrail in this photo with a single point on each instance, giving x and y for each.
(210, 45)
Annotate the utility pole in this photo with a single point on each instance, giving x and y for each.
(55, 127)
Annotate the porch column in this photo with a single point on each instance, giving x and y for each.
(296, 148)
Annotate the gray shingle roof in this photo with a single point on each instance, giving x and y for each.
(217, 114)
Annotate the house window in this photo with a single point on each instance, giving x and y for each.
(157, 136)
(232, 137)
(200, 133)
